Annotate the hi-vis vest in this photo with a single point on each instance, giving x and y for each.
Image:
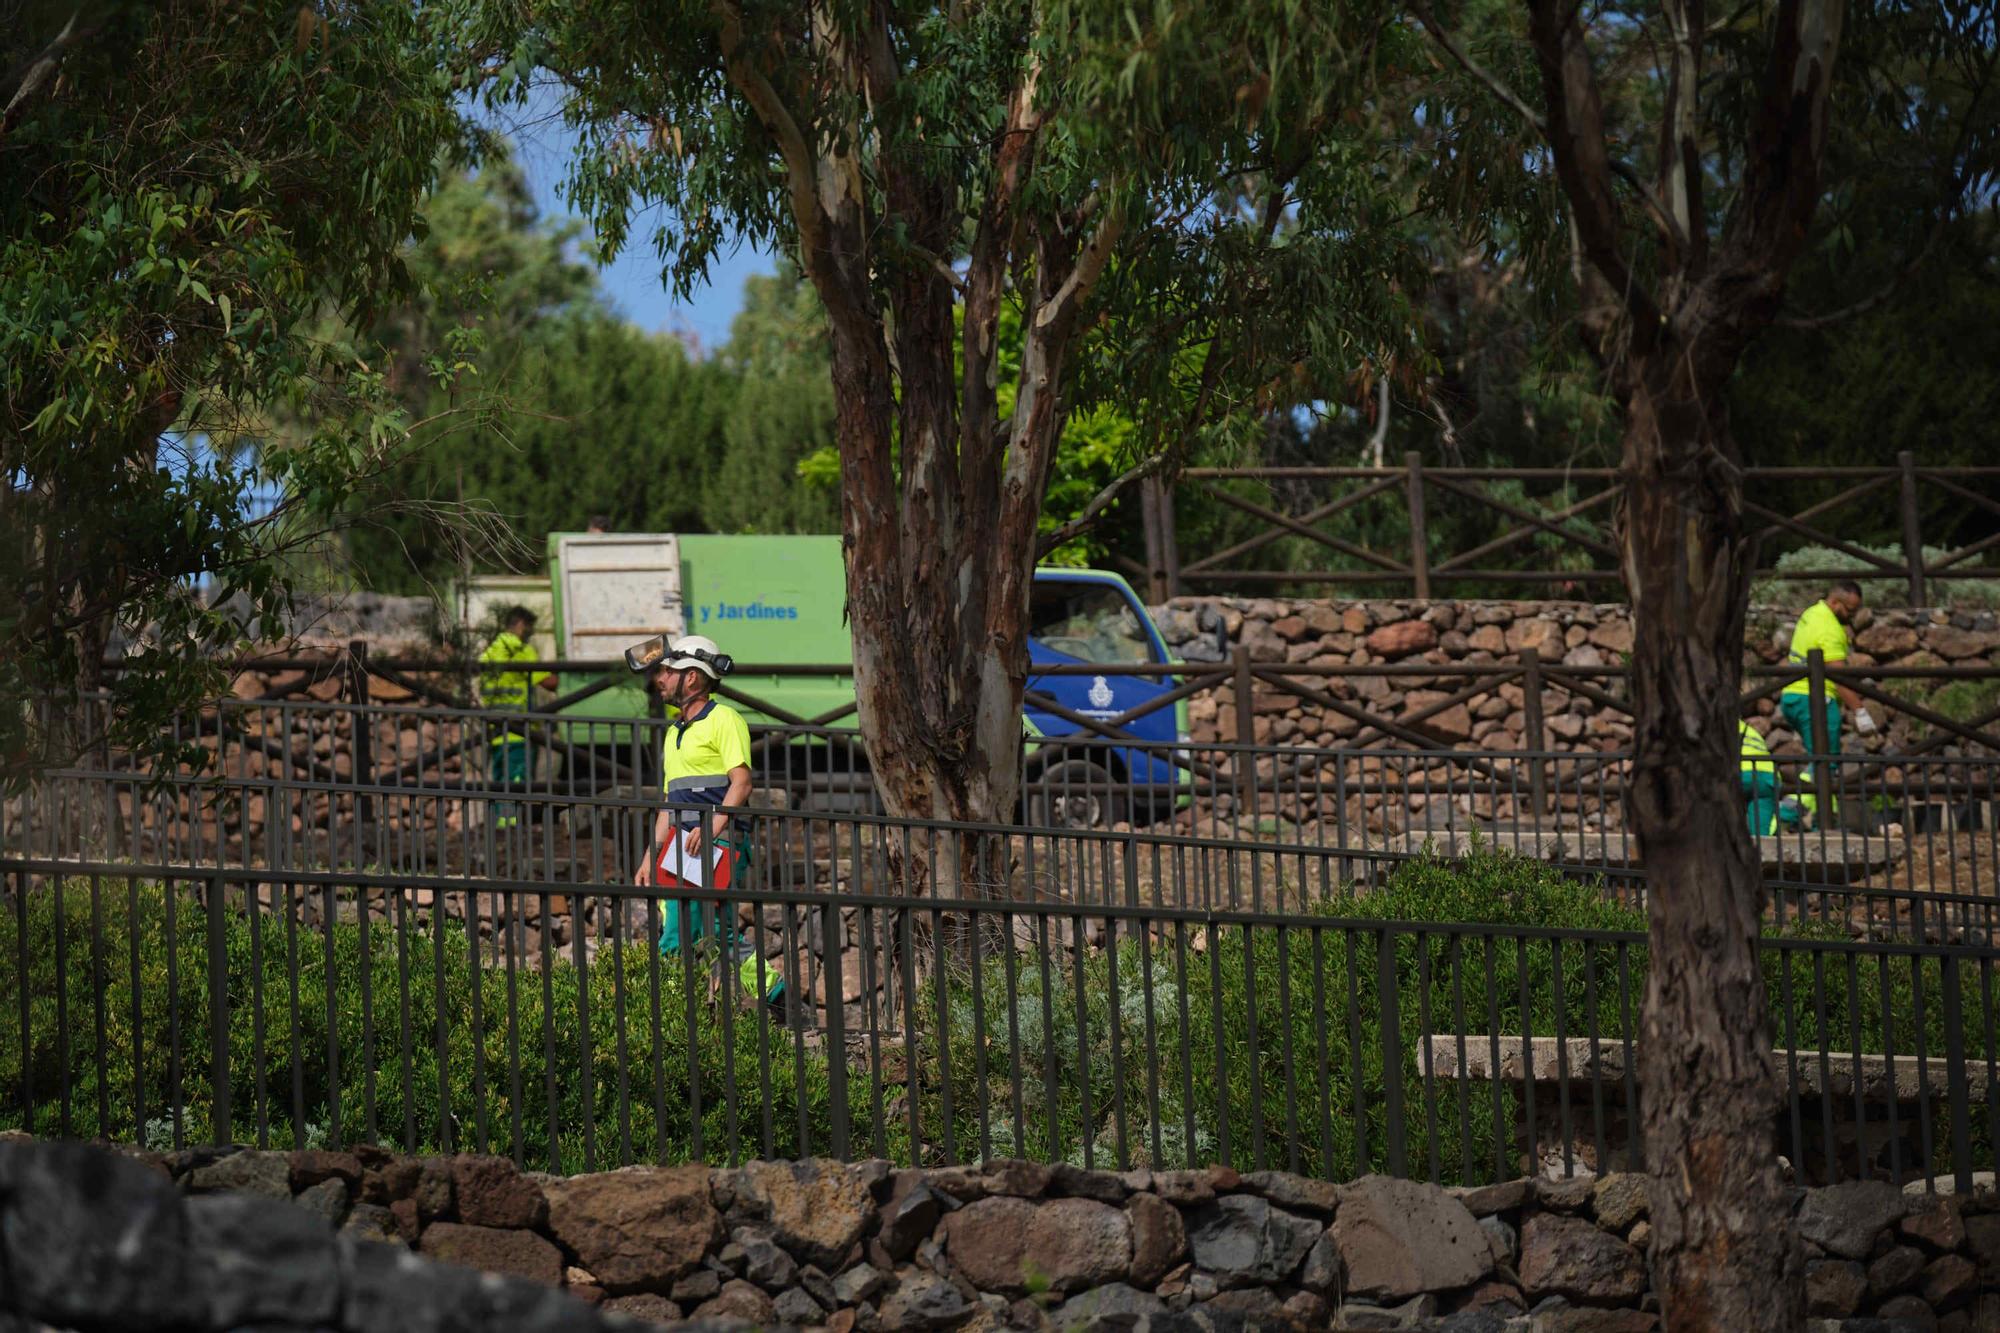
(1756, 753)
(507, 689)
(1819, 628)
(697, 755)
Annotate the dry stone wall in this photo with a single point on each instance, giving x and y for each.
(1005, 1245)
(1417, 634)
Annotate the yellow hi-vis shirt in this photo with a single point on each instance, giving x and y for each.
(1819, 628)
(697, 755)
(1756, 753)
(507, 689)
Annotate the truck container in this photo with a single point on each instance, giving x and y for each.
(777, 605)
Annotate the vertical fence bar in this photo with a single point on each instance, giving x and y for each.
(1822, 771)
(1537, 737)
(1246, 761)
(27, 1009)
(1913, 535)
(836, 1027)
(1392, 1052)
(1420, 557)
(220, 1127)
(1957, 1092)
(362, 738)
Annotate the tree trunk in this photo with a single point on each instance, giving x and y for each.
(1724, 1252)
(939, 700)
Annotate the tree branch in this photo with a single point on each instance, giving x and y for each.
(1498, 87)
(1680, 133)
(1583, 162)
(778, 120)
(1874, 298)
(1959, 182)
(1782, 161)
(1465, 61)
(1061, 308)
(1086, 518)
(41, 68)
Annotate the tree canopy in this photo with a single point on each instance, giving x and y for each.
(184, 186)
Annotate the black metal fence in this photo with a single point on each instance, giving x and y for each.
(166, 1006)
(295, 785)
(1220, 850)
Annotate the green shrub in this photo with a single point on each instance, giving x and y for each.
(1167, 1047)
(426, 1045)
(1960, 594)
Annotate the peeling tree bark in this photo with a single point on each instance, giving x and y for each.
(940, 498)
(1724, 1252)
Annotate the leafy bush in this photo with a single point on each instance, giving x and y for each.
(1270, 1041)
(1283, 1044)
(1961, 594)
(431, 1051)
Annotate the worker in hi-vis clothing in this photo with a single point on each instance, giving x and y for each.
(1759, 779)
(705, 774)
(1823, 625)
(508, 766)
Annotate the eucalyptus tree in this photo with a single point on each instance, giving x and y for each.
(183, 186)
(1183, 202)
(1689, 155)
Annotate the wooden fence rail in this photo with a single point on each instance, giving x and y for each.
(1417, 489)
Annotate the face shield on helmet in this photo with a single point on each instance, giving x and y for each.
(688, 653)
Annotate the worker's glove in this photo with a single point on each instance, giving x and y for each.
(1864, 722)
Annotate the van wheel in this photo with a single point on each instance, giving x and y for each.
(1075, 794)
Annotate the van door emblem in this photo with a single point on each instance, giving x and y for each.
(1100, 693)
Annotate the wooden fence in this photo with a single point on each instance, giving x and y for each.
(1326, 502)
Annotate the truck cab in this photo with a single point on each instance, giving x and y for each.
(1082, 618)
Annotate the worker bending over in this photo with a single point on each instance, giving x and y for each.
(1759, 780)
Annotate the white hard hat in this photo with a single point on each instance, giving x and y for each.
(699, 652)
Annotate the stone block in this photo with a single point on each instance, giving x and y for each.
(1243, 1240)
(492, 1192)
(815, 1208)
(494, 1250)
(1159, 1238)
(636, 1229)
(265, 1174)
(1570, 1257)
(1845, 1219)
(1398, 1238)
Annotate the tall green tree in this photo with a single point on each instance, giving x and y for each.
(182, 185)
(783, 413)
(563, 410)
(589, 416)
(1194, 182)
(1690, 153)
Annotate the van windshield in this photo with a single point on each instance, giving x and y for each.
(1087, 621)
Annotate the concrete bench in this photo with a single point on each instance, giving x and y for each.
(1835, 858)
(1874, 1105)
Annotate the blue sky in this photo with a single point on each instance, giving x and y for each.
(543, 146)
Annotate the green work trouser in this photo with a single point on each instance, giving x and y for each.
(1760, 802)
(508, 767)
(682, 919)
(1797, 711)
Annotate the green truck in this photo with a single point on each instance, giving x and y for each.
(776, 602)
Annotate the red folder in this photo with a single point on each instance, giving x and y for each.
(679, 868)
